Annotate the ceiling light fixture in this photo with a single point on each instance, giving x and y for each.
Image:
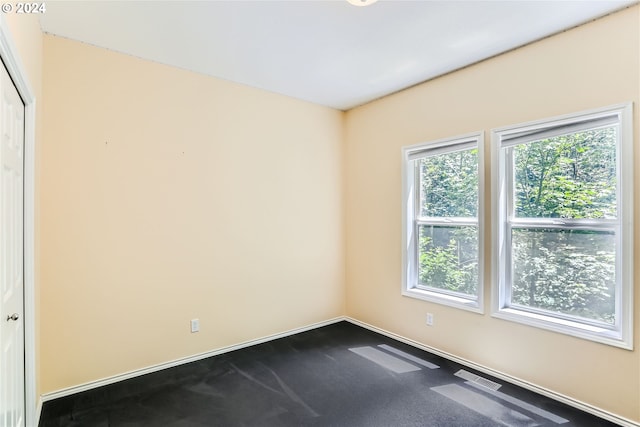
(362, 2)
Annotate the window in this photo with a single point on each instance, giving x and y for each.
(442, 208)
(562, 222)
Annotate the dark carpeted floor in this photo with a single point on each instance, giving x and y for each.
(338, 375)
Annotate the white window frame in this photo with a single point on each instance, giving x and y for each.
(621, 333)
(410, 206)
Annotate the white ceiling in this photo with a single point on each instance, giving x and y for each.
(327, 52)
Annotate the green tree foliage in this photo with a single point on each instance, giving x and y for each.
(566, 271)
(449, 185)
(449, 258)
(449, 255)
(570, 176)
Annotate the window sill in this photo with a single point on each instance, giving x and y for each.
(567, 327)
(444, 299)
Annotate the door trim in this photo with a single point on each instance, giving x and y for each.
(11, 60)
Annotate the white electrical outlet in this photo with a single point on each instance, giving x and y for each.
(195, 325)
(429, 319)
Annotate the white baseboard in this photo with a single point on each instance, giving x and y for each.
(161, 366)
(506, 377)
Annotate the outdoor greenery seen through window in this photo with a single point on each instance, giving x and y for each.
(567, 270)
(448, 254)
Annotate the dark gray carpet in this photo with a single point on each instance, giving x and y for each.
(338, 375)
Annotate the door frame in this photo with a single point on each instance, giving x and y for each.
(11, 59)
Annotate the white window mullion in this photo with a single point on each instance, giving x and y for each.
(505, 299)
(551, 224)
(510, 183)
(448, 222)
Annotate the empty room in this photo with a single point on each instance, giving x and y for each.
(320, 213)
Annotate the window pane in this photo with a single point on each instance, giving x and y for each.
(565, 271)
(448, 258)
(449, 184)
(570, 176)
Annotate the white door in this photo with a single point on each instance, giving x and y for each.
(12, 382)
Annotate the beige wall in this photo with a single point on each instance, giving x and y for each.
(591, 66)
(27, 37)
(167, 196)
